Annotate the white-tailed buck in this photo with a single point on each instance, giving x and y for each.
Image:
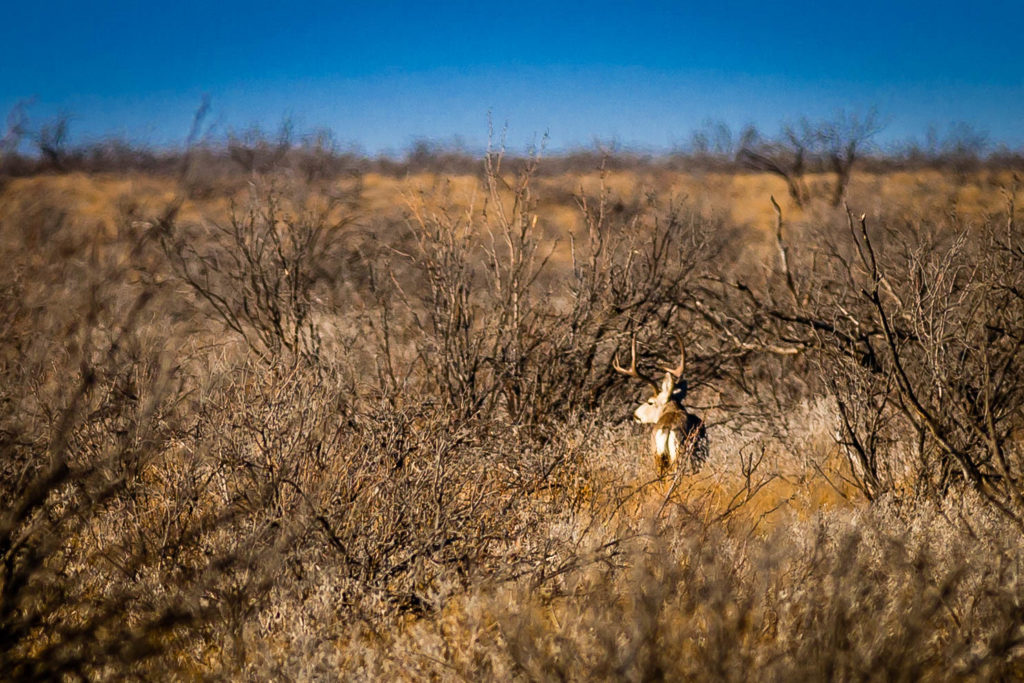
(678, 438)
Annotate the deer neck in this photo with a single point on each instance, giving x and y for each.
(671, 419)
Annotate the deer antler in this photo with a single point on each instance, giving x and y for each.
(632, 371)
(677, 371)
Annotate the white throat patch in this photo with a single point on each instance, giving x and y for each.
(666, 442)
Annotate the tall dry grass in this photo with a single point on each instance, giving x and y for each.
(289, 437)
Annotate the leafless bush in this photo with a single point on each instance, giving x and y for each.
(259, 273)
(16, 128)
(255, 153)
(833, 145)
(52, 141)
(949, 317)
(916, 333)
(840, 600)
(843, 596)
(713, 139)
(962, 150)
(101, 571)
(499, 329)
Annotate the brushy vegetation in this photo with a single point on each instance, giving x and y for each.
(286, 438)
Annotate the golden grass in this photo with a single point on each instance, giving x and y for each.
(96, 201)
(434, 545)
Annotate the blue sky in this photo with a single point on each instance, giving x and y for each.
(381, 74)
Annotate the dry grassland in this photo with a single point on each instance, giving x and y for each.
(368, 428)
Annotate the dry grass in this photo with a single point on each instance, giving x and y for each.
(368, 428)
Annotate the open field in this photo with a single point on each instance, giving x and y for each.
(366, 426)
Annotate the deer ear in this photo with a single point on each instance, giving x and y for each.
(668, 384)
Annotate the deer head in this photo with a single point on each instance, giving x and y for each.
(667, 402)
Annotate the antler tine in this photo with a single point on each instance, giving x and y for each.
(632, 371)
(678, 371)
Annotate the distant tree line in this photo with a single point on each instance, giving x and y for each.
(797, 151)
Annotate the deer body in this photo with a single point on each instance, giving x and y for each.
(678, 437)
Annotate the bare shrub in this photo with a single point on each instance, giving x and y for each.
(256, 153)
(15, 130)
(841, 598)
(90, 582)
(950, 343)
(124, 533)
(501, 331)
(916, 334)
(832, 145)
(259, 273)
(52, 141)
